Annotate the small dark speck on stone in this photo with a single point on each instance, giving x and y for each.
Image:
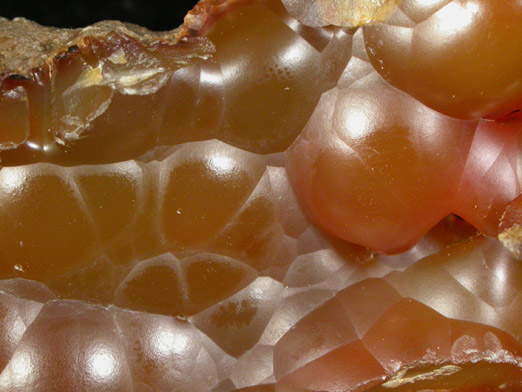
(17, 77)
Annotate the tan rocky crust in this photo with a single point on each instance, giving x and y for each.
(346, 13)
(202, 12)
(80, 70)
(26, 46)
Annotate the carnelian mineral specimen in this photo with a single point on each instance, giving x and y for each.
(287, 196)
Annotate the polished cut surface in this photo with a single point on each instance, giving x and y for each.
(277, 196)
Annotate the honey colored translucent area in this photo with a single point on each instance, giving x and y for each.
(371, 154)
(456, 57)
(305, 209)
(420, 319)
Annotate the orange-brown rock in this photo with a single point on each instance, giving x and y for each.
(268, 198)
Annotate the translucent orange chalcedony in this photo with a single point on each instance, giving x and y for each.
(270, 198)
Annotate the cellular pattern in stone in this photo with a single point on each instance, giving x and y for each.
(261, 201)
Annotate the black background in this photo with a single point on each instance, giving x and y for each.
(161, 15)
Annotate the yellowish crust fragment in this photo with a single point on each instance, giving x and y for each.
(511, 238)
(26, 46)
(344, 13)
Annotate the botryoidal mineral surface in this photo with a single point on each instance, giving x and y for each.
(276, 196)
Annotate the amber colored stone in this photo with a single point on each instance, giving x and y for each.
(430, 319)
(455, 57)
(362, 167)
(14, 109)
(270, 198)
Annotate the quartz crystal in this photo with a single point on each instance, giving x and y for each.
(278, 196)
